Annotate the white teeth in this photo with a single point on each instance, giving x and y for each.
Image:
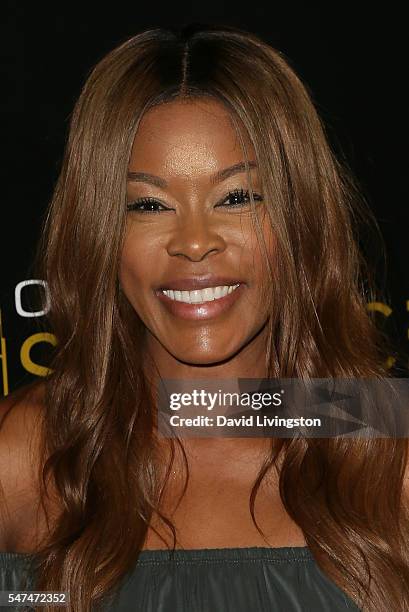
(198, 296)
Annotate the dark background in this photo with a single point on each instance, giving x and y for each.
(354, 66)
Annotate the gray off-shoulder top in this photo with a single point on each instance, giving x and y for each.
(257, 579)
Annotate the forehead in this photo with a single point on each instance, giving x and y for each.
(187, 137)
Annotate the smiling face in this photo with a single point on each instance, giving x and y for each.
(189, 215)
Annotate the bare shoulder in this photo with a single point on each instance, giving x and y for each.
(21, 408)
(21, 415)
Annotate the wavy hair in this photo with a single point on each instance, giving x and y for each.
(99, 443)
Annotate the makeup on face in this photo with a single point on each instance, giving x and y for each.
(200, 304)
(191, 262)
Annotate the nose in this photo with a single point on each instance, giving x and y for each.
(195, 238)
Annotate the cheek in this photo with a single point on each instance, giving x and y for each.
(260, 243)
(132, 271)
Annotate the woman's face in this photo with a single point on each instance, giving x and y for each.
(184, 161)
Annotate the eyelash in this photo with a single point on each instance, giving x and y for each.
(237, 193)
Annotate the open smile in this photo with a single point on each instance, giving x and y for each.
(200, 303)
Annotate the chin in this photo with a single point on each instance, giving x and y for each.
(205, 358)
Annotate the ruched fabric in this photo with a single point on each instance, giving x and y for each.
(257, 579)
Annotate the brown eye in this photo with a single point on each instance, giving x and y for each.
(235, 199)
(238, 198)
(148, 204)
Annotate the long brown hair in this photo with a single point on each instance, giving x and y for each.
(345, 494)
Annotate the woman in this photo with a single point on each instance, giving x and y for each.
(196, 159)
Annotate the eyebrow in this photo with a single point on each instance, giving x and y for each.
(218, 177)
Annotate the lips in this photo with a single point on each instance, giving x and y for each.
(199, 282)
(201, 311)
